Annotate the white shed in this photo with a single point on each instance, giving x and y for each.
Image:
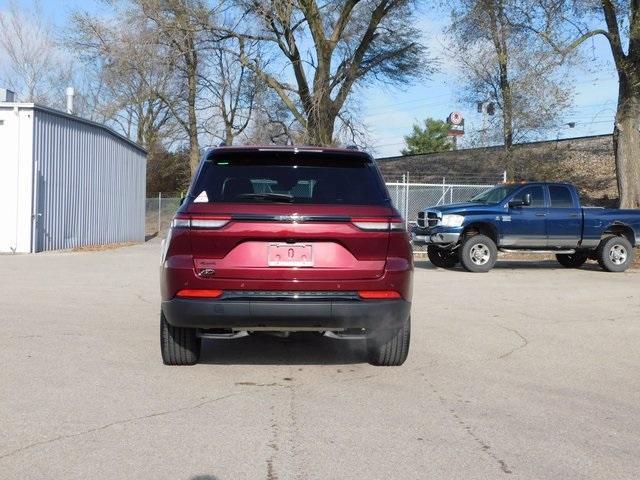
(66, 182)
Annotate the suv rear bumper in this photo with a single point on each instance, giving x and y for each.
(291, 314)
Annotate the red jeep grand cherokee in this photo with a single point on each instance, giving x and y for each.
(286, 239)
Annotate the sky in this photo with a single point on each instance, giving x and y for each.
(390, 112)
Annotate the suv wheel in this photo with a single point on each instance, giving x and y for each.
(441, 257)
(179, 346)
(390, 347)
(574, 260)
(615, 254)
(478, 254)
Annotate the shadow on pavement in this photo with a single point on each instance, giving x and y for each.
(299, 349)
(518, 265)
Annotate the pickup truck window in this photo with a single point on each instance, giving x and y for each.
(537, 196)
(560, 197)
(495, 194)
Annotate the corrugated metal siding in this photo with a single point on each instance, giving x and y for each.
(89, 185)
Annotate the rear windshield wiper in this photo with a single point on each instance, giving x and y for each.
(272, 197)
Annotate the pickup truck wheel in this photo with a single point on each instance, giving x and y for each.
(615, 254)
(389, 348)
(441, 257)
(478, 254)
(179, 346)
(574, 260)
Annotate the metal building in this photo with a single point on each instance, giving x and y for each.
(66, 182)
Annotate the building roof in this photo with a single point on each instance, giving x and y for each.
(53, 111)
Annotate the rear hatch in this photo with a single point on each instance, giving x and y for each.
(288, 215)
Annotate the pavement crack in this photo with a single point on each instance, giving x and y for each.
(294, 433)
(254, 384)
(113, 424)
(142, 299)
(274, 445)
(484, 445)
(523, 342)
(364, 377)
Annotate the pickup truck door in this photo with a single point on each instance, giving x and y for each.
(525, 226)
(564, 218)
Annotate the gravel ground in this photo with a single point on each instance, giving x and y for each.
(529, 371)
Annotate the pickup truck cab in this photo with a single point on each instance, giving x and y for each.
(528, 217)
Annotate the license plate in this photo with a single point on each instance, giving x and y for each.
(290, 255)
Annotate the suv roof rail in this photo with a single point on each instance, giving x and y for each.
(352, 147)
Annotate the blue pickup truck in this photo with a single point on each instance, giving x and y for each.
(528, 217)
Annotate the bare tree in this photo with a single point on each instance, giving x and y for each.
(230, 89)
(35, 67)
(272, 122)
(128, 82)
(503, 63)
(567, 25)
(179, 26)
(329, 49)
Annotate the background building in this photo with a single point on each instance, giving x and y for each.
(66, 182)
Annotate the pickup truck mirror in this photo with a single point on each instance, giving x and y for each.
(525, 202)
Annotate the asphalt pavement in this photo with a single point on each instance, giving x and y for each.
(531, 371)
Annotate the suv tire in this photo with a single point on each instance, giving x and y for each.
(389, 348)
(615, 254)
(478, 253)
(179, 346)
(574, 260)
(441, 257)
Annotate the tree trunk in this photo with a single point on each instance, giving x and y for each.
(192, 92)
(626, 143)
(499, 36)
(507, 99)
(320, 126)
(507, 102)
(507, 122)
(228, 135)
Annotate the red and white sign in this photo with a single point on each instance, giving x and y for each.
(456, 124)
(456, 118)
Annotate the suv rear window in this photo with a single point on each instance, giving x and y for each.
(289, 177)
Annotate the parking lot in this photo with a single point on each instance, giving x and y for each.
(530, 371)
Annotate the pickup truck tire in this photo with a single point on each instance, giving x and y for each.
(179, 345)
(478, 253)
(441, 257)
(389, 348)
(574, 260)
(615, 254)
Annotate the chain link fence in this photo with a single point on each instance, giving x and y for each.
(408, 198)
(160, 211)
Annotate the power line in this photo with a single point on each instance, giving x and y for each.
(428, 99)
(413, 100)
(403, 143)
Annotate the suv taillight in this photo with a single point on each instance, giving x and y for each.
(200, 222)
(372, 224)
